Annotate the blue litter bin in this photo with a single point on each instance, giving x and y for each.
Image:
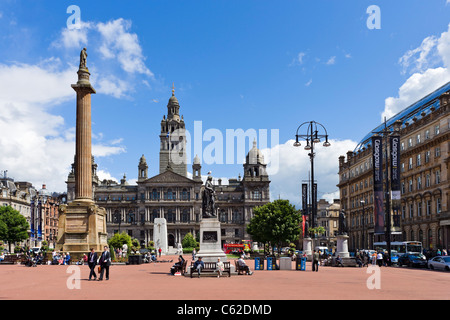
(303, 264)
(257, 263)
(269, 263)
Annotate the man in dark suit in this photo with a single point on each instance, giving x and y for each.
(105, 262)
(92, 262)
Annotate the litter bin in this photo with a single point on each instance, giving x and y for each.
(285, 263)
(259, 263)
(271, 263)
(303, 264)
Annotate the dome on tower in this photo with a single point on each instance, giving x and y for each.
(255, 155)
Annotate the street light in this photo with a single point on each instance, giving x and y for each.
(312, 137)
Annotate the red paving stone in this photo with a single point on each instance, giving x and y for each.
(154, 282)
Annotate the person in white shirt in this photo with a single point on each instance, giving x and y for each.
(220, 267)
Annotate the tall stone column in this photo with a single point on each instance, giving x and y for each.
(83, 155)
(82, 224)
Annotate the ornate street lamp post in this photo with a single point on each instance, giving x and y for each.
(312, 137)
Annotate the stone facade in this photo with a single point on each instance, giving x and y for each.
(424, 160)
(328, 218)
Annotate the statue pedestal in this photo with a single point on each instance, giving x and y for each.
(82, 226)
(160, 235)
(307, 247)
(211, 241)
(342, 246)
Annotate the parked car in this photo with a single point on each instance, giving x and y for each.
(413, 260)
(439, 263)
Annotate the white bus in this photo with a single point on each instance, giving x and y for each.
(400, 247)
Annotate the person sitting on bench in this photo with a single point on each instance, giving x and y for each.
(177, 266)
(244, 266)
(198, 265)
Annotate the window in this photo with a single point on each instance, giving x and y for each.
(410, 164)
(419, 183)
(410, 185)
(403, 212)
(256, 195)
(185, 215)
(418, 139)
(428, 180)
(438, 205)
(436, 129)
(402, 167)
(185, 194)
(428, 207)
(411, 210)
(402, 146)
(438, 176)
(419, 160)
(419, 209)
(437, 152)
(155, 194)
(409, 142)
(403, 188)
(427, 134)
(427, 156)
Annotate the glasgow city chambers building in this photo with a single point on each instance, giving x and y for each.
(175, 195)
(423, 213)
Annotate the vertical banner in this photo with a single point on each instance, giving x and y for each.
(377, 154)
(395, 179)
(32, 220)
(39, 231)
(304, 205)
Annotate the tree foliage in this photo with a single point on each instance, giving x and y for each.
(119, 239)
(275, 223)
(189, 241)
(13, 226)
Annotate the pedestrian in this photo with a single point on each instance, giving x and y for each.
(315, 262)
(194, 252)
(105, 262)
(92, 262)
(380, 259)
(444, 252)
(159, 251)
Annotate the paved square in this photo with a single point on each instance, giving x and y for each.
(154, 282)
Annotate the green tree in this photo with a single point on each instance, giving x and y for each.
(13, 226)
(275, 223)
(119, 239)
(189, 241)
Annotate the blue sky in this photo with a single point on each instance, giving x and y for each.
(235, 64)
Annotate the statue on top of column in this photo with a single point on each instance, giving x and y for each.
(83, 58)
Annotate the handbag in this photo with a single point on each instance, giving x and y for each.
(99, 269)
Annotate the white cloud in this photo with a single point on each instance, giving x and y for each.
(112, 86)
(294, 166)
(424, 80)
(331, 61)
(104, 175)
(36, 145)
(421, 57)
(298, 60)
(308, 83)
(74, 38)
(118, 43)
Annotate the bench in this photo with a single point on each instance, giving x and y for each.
(211, 267)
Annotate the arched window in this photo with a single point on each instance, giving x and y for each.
(155, 194)
(185, 194)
